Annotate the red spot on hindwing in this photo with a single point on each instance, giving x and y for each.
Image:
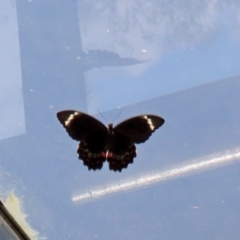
(103, 154)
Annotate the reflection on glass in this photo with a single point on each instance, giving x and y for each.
(172, 40)
(12, 120)
(201, 164)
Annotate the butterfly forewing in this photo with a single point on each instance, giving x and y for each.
(79, 125)
(140, 128)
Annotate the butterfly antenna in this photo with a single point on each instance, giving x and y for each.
(102, 116)
(119, 113)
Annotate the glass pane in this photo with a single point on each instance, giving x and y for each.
(115, 60)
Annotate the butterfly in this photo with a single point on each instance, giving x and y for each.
(99, 143)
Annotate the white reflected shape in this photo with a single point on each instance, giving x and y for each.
(125, 26)
(132, 37)
(213, 160)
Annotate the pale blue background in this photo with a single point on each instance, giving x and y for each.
(89, 56)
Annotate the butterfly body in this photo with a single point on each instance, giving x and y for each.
(99, 143)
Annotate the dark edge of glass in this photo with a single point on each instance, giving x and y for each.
(12, 223)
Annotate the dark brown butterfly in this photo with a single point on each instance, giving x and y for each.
(114, 144)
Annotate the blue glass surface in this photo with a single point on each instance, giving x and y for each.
(179, 60)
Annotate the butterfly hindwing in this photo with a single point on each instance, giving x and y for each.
(139, 128)
(121, 152)
(92, 150)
